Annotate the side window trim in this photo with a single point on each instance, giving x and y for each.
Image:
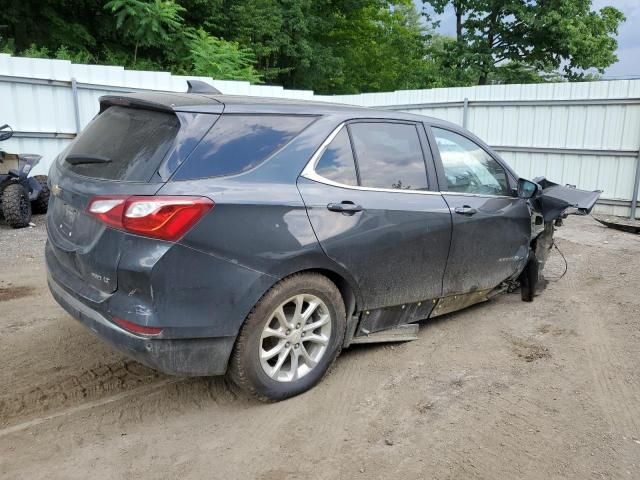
(310, 173)
(429, 159)
(442, 181)
(347, 127)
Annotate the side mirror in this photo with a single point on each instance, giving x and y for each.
(527, 188)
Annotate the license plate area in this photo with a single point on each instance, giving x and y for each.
(68, 220)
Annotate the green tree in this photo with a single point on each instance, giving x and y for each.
(539, 36)
(367, 45)
(147, 23)
(384, 49)
(330, 46)
(276, 31)
(48, 23)
(220, 59)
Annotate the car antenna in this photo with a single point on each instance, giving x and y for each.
(198, 86)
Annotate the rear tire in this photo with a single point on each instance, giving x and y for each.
(40, 204)
(303, 319)
(16, 206)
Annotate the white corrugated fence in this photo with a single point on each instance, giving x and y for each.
(584, 134)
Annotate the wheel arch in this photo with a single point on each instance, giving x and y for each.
(347, 291)
(346, 285)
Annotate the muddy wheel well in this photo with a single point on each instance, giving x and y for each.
(347, 293)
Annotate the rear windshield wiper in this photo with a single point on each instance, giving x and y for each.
(80, 158)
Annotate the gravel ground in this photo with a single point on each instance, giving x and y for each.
(506, 389)
(23, 244)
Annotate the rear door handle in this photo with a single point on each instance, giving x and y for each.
(466, 210)
(346, 207)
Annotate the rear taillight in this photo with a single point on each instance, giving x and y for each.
(135, 328)
(164, 217)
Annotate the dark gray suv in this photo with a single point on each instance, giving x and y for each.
(212, 234)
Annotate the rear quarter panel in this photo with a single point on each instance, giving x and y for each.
(259, 223)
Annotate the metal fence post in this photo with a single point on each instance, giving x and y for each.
(636, 187)
(76, 106)
(465, 113)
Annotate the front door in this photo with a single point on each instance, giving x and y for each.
(491, 225)
(375, 214)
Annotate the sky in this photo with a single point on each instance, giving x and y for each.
(628, 52)
(628, 38)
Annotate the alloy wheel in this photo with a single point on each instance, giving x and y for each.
(295, 338)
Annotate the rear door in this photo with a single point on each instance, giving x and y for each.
(372, 208)
(491, 225)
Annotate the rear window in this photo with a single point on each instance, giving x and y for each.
(238, 143)
(123, 144)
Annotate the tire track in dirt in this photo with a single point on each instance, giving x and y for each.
(88, 385)
(15, 292)
(615, 388)
(146, 390)
(326, 417)
(178, 396)
(617, 398)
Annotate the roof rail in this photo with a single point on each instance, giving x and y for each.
(198, 86)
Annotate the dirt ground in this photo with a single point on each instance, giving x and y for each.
(506, 389)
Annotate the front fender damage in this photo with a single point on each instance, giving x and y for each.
(556, 201)
(551, 204)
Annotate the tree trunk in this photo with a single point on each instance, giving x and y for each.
(135, 55)
(458, 11)
(484, 67)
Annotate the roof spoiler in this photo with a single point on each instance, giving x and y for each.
(198, 86)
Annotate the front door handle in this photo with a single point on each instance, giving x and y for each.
(346, 207)
(466, 210)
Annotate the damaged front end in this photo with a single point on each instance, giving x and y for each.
(556, 201)
(549, 203)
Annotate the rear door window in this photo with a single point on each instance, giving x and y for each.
(123, 144)
(238, 143)
(337, 161)
(389, 155)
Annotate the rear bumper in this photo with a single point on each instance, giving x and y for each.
(192, 357)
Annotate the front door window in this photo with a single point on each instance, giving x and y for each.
(467, 167)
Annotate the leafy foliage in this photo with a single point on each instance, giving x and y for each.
(222, 60)
(496, 37)
(147, 23)
(330, 46)
(36, 52)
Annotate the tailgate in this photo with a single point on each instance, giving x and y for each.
(118, 153)
(85, 248)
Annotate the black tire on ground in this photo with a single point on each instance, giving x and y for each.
(40, 204)
(529, 280)
(16, 206)
(245, 369)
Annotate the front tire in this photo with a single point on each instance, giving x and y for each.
(16, 206)
(290, 338)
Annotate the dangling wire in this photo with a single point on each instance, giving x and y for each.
(566, 265)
